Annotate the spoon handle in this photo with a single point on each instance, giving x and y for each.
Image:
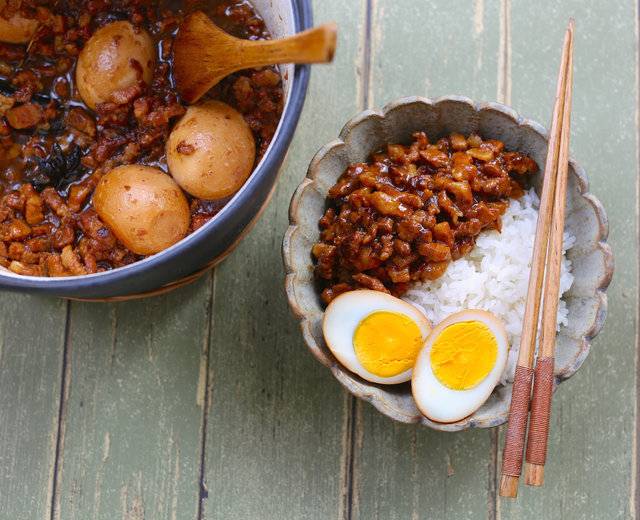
(315, 45)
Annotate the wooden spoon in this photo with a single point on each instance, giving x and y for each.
(203, 53)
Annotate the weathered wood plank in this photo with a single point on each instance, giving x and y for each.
(591, 457)
(277, 417)
(435, 48)
(413, 472)
(32, 332)
(132, 415)
(406, 471)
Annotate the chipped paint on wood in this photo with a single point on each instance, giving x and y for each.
(107, 447)
(363, 61)
(32, 338)
(202, 380)
(478, 18)
(504, 64)
(377, 12)
(450, 471)
(478, 30)
(130, 411)
(132, 506)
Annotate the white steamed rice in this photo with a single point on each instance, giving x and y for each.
(494, 276)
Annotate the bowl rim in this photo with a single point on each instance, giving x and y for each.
(79, 286)
(349, 380)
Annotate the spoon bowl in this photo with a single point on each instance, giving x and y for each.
(203, 54)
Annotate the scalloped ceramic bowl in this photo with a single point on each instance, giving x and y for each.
(591, 257)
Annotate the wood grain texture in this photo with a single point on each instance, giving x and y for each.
(131, 422)
(277, 420)
(413, 472)
(32, 332)
(590, 455)
(434, 48)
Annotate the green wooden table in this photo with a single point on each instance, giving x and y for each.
(204, 402)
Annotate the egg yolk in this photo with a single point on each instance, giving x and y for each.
(387, 343)
(463, 354)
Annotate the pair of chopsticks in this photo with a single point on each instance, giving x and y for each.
(549, 231)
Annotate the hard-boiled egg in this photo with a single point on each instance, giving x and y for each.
(459, 366)
(115, 57)
(143, 206)
(211, 150)
(375, 335)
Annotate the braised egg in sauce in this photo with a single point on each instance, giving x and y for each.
(211, 150)
(116, 56)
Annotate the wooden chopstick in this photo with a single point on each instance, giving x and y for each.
(519, 409)
(543, 379)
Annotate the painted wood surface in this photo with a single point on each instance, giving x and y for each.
(204, 403)
(32, 339)
(131, 423)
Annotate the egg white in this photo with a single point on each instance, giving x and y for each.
(346, 311)
(442, 404)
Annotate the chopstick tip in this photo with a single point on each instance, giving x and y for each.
(509, 486)
(534, 474)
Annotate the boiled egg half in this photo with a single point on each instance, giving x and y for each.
(375, 335)
(460, 364)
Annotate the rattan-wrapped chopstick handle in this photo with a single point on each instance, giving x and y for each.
(539, 422)
(516, 431)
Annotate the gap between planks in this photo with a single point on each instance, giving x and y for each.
(635, 474)
(54, 502)
(203, 492)
(365, 79)
(504, 61)
(504, 96)
(348, 479)
(62, 410)
(492, 473)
